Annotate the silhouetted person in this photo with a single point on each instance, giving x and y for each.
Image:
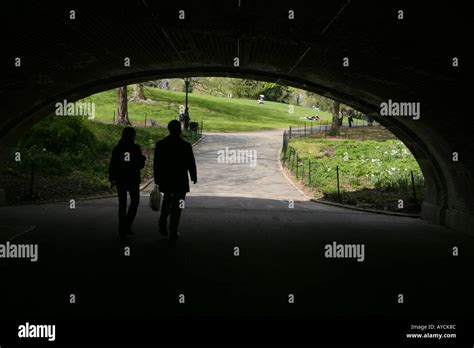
(124, 173)
(187, 119)
(174, 158)
(350, 119)
(370, 120)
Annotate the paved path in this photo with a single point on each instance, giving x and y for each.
(281, 252)
(261, 180)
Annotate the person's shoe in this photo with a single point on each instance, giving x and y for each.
(175, 236)
(163, 230)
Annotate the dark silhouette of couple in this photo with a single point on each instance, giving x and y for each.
(173, 160)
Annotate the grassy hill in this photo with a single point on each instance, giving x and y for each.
(218, 114)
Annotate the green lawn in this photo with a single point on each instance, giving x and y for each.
(374, 172)
(217, 114)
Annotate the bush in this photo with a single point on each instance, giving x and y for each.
(58, 134)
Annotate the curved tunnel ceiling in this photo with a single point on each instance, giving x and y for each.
(407, 60)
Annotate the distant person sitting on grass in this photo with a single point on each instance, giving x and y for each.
(124, 174)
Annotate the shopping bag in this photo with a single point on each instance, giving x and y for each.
(155, 199)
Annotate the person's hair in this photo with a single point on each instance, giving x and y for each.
(174, 127)
(128, 135)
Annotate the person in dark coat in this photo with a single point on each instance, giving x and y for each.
(174, 159)
(124, 173)
(187, 119)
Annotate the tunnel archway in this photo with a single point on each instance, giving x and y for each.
(73, 58)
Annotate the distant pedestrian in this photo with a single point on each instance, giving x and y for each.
(186, 119)
(182, 116)
(370, 120)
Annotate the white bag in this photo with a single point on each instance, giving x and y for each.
(155, 199)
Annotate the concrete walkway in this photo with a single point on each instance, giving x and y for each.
(263, 180)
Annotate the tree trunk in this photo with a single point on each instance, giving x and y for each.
(335, 118)
(138, 93)
(122, 106)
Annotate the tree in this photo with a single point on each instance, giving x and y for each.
(122, 107)
(335, 118)
(216, 86)
(138, 93)
(276, 92)
(246, 88)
